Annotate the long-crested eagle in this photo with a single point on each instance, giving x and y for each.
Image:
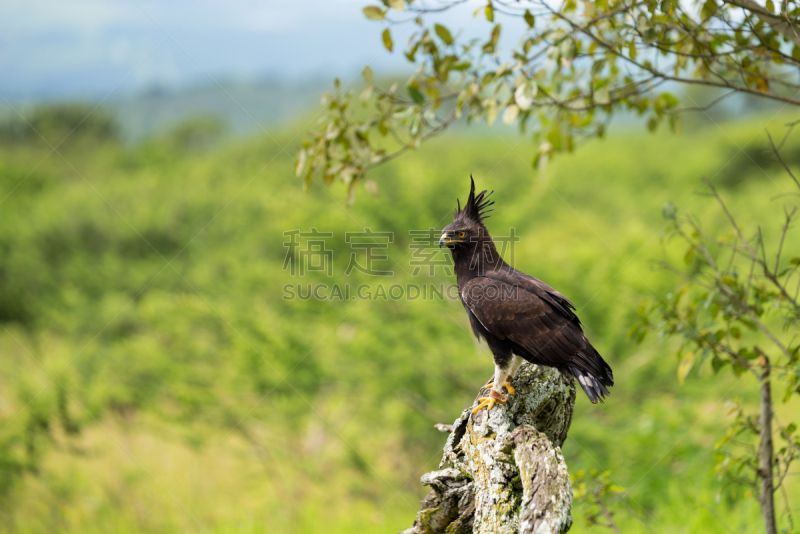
(520, 317)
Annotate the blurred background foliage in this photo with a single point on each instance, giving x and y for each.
(154, 378)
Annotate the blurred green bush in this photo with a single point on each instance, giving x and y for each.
(148, 352)
(56, 122)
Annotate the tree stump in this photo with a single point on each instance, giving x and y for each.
(503, 472)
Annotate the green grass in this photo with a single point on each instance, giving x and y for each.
(148, 281)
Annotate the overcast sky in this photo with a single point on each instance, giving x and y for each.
(93, 48)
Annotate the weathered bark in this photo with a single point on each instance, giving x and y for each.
(504, 473)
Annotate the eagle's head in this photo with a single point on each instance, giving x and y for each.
(467, 228)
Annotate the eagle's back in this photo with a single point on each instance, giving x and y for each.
(539, 322)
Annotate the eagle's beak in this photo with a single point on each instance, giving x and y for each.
(445, 240)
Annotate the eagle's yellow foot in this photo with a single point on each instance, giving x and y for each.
(490, 401)
(508, 387)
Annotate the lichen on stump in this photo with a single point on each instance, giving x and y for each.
(503, 472)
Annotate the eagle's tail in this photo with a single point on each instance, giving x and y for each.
(593, 374)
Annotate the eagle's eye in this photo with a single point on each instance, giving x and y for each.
(462, 234)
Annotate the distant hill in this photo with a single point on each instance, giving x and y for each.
(244, 108)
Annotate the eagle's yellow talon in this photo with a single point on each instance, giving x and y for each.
(508, 387)
(486, 402)
(489, 402)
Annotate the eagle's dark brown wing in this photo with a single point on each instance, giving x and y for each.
(525, 318)
(540, 323)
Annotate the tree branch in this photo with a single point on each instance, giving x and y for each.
(777, 23)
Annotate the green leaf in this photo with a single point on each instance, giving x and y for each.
(443, 33)
(374, 13)
(601, 97)
(489, 12)
(795, 261)
(687, 258)
(387, 40)
(736, 333)
(510, 114)
(638, 332)
(542, 157)
(650, 35)
(366, 94)
(528, 45)
(301, 163)
(669, 99)
(748, 323)
(708, 8)
(525, 93)
(536, 159)
(491, 115)
(738, 369)
(669, 211)
(367, 74)
(371, 187)
(675, 123)
(748, 354)
(729, 280)
(685, 366)
(397, 5)
(495, 34)
(554, 136)
(529, 19)
(415, 95)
